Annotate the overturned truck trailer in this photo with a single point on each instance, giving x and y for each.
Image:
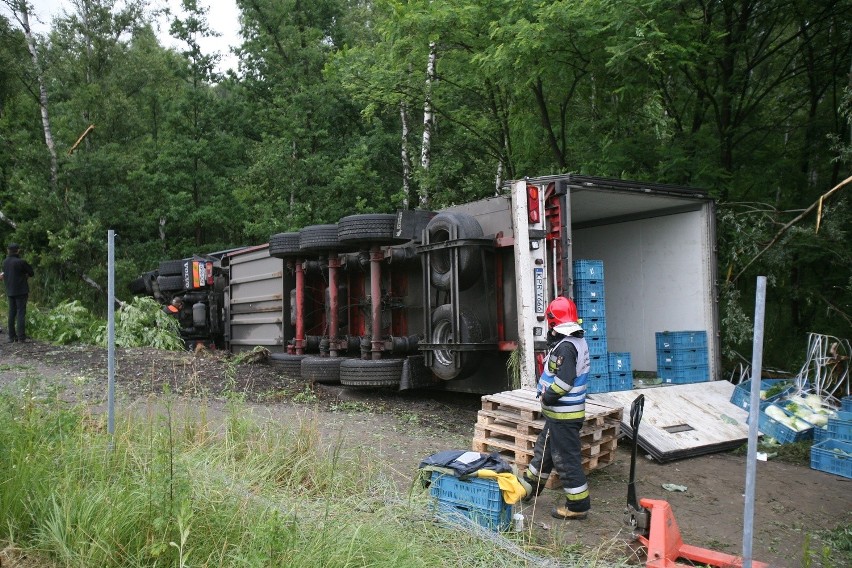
(442, 299)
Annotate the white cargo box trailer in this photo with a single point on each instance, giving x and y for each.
(658, 247)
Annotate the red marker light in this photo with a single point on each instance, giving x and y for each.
(534, 212)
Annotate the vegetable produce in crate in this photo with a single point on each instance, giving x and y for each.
(793, 422)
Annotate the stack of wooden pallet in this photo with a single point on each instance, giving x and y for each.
(510, 422)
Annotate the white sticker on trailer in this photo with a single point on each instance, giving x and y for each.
(538, 274)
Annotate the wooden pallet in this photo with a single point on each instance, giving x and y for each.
(510, 422)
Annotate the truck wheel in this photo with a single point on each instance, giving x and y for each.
(470, 258)
(284, 245)
(371, 372)
(171, 267)
(376, 229)
(148, 279)
(319, 238)
(470, 330)
(137, 285)
(288, 365)
(323, 370)
(170, 283)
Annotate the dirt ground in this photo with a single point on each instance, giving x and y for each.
(794, 504)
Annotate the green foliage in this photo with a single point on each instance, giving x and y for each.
(140, 323)
(745, 101)
(68, 322)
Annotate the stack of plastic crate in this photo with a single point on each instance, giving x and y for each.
(620, 371)
(682, 356)
(832, 449)
(589, 297)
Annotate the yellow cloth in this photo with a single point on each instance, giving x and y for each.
(509, 485)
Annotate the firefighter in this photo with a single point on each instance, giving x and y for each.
(175, 307)
(562, 388)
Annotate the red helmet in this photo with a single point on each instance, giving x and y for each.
(561, 310)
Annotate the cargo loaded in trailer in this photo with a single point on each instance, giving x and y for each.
(441, 299)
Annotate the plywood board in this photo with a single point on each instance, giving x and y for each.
(703, 411)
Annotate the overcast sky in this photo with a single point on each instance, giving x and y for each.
(222, 16)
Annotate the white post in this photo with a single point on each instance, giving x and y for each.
(111, 332)
(754, 411)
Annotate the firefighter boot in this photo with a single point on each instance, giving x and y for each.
(563, 512)
(535, 484)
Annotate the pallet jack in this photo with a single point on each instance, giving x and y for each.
(653, 523)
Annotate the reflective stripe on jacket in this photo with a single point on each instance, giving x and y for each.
(572, 402)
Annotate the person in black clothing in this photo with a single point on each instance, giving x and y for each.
(16, 274)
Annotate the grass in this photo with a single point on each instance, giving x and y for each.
(173, 487)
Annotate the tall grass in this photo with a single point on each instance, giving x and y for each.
(172, 487)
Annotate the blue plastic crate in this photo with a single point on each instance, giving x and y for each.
(820, 435)
(480, 500)
(589, 290)
(840, 428)
(681, 339)
(598, 365)
(597, 383)
(846, 404)
(682, 356)
(588, 270)
(594, 327)
(590, 308)
(618, 362)
(832, 456)
(742, 392)
(597, 346)
(683, 374)
(621, 381)
(781, 432)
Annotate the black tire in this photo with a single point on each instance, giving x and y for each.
(171, 268)
(443, 363)
(284, 245)
(170, 283)
(371, 372)
(137, 285)
(288, 365)
(323, 370)
(149, 278)
(318, 238)
(470, 258)
(378, 229)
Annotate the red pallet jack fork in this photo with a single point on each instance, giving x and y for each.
(654, 525)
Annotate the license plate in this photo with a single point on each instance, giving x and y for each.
(538, 274)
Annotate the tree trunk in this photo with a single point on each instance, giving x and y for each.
(428, 121)
(406, 160)
(24, 19)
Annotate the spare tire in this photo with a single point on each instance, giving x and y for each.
(378, 229)
(284, 245)
(371, 372)
(470, 331)
(470, 257)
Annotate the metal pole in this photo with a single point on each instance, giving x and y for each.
(111, 332)
(753, 410)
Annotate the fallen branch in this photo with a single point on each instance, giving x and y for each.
(816, 204)
(8, 221)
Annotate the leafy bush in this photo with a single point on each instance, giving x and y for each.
(140, 323)
(69, 322)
